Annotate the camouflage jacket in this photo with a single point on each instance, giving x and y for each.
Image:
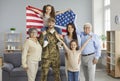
(51, 50)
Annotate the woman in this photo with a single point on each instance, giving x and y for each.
(31, 54)
(71, 34)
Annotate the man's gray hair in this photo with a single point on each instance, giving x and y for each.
(88, 25)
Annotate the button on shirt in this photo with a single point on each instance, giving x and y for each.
(93, 45)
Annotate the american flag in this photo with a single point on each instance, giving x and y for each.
(33, 19)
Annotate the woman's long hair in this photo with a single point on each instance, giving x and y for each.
(52, 13)
(74, 32)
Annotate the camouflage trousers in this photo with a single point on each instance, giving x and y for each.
(55, 64)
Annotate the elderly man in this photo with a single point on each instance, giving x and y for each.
(91, 53)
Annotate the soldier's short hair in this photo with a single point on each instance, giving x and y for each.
(51, 19)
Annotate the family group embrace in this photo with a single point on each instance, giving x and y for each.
(81, 50)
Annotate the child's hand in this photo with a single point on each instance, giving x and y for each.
(30, 6)
(90, 37)
(44, 32)
(61, 37)
(68, 9)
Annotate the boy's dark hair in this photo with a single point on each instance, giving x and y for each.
(74, 40)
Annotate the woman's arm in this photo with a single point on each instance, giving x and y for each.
(86, 42)
(62, 11)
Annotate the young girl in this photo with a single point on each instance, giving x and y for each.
(49, 11)
(73, 58)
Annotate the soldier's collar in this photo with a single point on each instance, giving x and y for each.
(51, 30)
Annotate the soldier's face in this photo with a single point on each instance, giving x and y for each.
(51, 24)
(73, 45)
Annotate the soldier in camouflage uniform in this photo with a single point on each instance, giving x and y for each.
(50, 55)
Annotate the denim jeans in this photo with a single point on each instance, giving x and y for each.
(73, 76)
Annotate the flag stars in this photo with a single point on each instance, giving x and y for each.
(65, 18)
